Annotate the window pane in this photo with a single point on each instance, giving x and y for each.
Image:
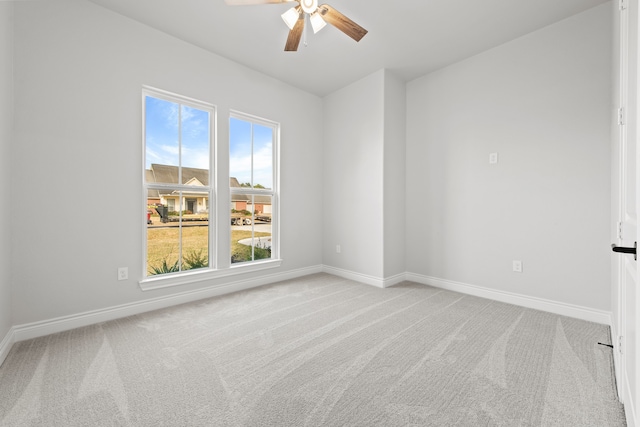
(250, 227)
(195, 241)
(262, 226)
(161, 139)
(262, 157)
(240, 151)
(163, 245)
(195, 146)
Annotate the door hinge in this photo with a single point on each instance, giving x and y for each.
(620, 230)
(622, 4)
(620, 341)
(620, 116)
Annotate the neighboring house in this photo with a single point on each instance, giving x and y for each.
(240, 202)
(196, 201)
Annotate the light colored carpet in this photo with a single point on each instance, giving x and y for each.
(318, 351)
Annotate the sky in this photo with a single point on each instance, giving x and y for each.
(240, 148)
(162, 134)
(250, 144)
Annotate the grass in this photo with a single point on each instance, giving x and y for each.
(241, 253)
(162, 245)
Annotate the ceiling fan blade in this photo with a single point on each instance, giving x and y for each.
(293, 41)
(250, 2)
(341, 22)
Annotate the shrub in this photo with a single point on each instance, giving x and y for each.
(165, 268)
(195, 260)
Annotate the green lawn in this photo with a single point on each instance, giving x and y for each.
(162, 245)
(242, 253)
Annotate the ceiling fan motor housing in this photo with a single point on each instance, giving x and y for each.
(309, 6)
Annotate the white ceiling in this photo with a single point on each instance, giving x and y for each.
(409, 37)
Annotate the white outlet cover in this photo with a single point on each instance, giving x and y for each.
(123, 273)
(493, 158)
(517, 266)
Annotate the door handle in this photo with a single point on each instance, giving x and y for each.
(621, 249)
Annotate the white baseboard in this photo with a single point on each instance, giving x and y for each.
(60, 324)
(65, 323)
(563, 309)
(364, 278)
(6, 344)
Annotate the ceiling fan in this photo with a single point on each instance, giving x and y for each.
(319, 16)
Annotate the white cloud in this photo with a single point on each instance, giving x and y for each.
(240, 166)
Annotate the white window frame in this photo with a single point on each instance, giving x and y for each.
(179, 187)
(273, 192)
(218, 211)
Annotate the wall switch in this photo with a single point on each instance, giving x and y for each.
(517, 266)
(338, 249)
(493, 158)
(123, 273)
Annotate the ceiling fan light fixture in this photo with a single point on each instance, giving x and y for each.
(317, 22)
(309, 6)
(290, 17)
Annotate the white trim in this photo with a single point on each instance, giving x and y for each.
(65, 323)
(187, 277)
(394, 280)
(629, 408)
(556, 307)
(364, 278)
(352, 275)
(6, 344)
(617, 361)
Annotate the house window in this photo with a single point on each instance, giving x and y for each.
(178, 135)
(253, 145)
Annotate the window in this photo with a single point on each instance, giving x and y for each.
(252, 168)
(178, 134)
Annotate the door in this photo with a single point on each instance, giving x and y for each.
(625, 148)
(191, 205)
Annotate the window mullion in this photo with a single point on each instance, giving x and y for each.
(180, 181)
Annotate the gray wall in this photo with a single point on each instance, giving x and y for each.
(79, 73)
(395, 118)
(353, 178)
(6, 123)
(543, 103)
(364, 177)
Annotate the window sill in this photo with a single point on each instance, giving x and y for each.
(185, 278)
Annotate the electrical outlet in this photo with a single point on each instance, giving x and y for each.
(517, 266)
(123, 273)
(338, 249)
(493, 158)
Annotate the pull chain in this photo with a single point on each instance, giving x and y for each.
(306, 26)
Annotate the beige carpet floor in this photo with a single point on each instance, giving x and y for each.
(318, 351)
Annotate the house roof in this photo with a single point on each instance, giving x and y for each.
(167, 174)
